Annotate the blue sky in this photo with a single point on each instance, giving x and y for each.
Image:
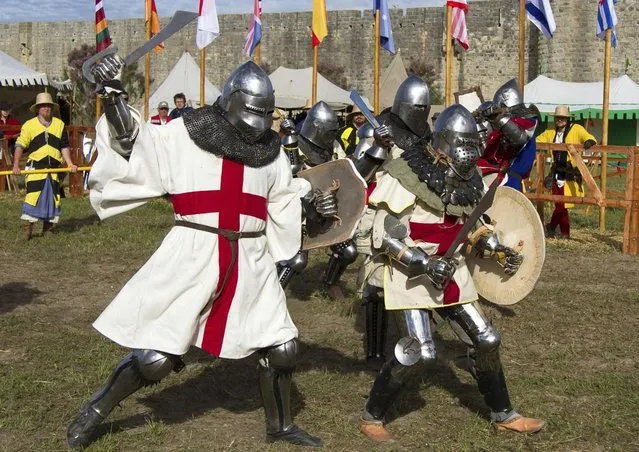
(63, 10)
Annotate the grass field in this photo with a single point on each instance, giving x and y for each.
(569, 352)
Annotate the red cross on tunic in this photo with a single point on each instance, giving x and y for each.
(230, 202)
(442, 234)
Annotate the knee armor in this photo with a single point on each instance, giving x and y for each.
(275, 370)
(154, 366)
(342, 255)
(295, 265)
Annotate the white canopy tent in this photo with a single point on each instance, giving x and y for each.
(293, 89)
(391, 78)
(183, 78)
(584, 99)
(19, 85)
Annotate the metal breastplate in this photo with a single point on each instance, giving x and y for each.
(212, 133)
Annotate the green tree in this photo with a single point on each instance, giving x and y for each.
(83, 95)
(419, 67)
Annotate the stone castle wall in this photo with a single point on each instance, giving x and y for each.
(575, 54)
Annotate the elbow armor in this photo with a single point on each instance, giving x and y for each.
(513, 134)
(369, 163)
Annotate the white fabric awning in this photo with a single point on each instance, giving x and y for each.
(584, 98)
(14, 73)
(293, 89)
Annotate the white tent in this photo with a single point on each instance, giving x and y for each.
(293, 89)
(14, 73)
(584, 98)
(183, 78)
(390, 80)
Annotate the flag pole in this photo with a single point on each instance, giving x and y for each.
(604, 131)
(376, 61)
(202, 74)
(314, 85)
(98, 108)
(147, 58)
(257, 58)
(449, 56)
(522, 43)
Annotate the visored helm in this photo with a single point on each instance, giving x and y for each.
(508, 95)
(320, 126)
(412, 104)
(364, 133)
(248, 101)
(455, 134)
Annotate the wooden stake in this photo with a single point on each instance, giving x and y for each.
(585, 174)
(631, 221)
(376, 64)
(448, 97)
(522, 44)
(314, 85)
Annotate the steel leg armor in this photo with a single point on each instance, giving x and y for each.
(140, 368)
(292, 267)
(342, 255)
(413, 352)
(275, 370)
(376, 322)
(485, 363)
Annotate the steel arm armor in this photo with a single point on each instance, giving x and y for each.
(513, 134)
(123, 128)
(369, 163)
(290, 146)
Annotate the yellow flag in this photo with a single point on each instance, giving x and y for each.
(155, 22)
(319, 27)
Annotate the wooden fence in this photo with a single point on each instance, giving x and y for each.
(627, 199)
(76, 186)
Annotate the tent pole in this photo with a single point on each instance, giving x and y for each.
(376, 63)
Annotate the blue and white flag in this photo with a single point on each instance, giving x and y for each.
(540, 13)
(254, 35)
(606, 18)
(385, 30)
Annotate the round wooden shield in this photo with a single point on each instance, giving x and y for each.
(518, 226)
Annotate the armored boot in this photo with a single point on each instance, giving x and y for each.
(27, 229)
(342, 255)
(275, 370)
(140, 368)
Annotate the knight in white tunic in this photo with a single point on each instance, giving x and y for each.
(421, 201)
(212, 283)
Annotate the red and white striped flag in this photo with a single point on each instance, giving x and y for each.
(459, 30)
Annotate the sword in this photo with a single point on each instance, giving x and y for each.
(357, 100)
(482, 206)
(180, 20)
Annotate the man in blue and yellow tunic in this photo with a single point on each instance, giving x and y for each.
(47, 143)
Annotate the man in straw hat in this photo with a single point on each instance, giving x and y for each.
(45, 139)
(566, 178)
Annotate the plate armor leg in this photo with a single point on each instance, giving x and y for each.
(413, 353)
(286, 271)
(140, 368)
(485, 364)
(275, 370)
(342, 255)
(376, 322)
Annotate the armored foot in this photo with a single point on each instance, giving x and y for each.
(294, 435)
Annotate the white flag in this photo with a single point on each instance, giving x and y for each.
(208, 27)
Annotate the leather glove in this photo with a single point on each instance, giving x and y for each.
(323, 202)
(109, 68)
(288, 126)
(383, 137)
(589, 143)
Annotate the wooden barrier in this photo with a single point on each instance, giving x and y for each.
(76, 184)
(629, 198)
